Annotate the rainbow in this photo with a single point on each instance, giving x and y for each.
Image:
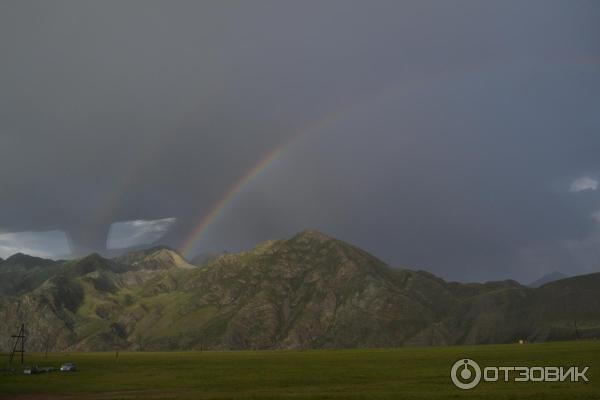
(263, 164)
(326, 121)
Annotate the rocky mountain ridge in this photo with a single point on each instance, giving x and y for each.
(309, 291)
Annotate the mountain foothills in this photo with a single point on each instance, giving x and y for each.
(310, 291)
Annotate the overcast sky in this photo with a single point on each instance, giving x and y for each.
(463, 136)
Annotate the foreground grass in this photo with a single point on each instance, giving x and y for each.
(404, 373)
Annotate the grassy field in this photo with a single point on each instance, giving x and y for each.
(403, 373)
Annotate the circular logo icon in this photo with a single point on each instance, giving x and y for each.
(465, 374)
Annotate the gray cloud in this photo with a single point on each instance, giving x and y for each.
(584, 183)
(41, 244)
(466, 124)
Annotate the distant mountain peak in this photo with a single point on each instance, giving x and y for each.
(312, 235)
(92, 257)
(25, 260)
(90, 263)
(159, 247)
(157, 257)
(550, 277)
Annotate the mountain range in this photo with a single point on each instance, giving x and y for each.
(309, 291)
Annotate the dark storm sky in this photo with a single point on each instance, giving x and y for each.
(468, 144)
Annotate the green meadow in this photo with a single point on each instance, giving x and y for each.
(399, 373)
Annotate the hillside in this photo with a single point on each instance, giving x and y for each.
(310, 291)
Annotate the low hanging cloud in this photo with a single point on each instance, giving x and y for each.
(47, 244)
(137, 232)
(584, 183)
(596, 216)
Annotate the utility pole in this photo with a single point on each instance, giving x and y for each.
(19, 339)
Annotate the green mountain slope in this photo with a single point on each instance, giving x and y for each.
(21, 273)
(310, 291)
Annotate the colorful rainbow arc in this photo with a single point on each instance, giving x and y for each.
(209, 219)
(324, 122)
